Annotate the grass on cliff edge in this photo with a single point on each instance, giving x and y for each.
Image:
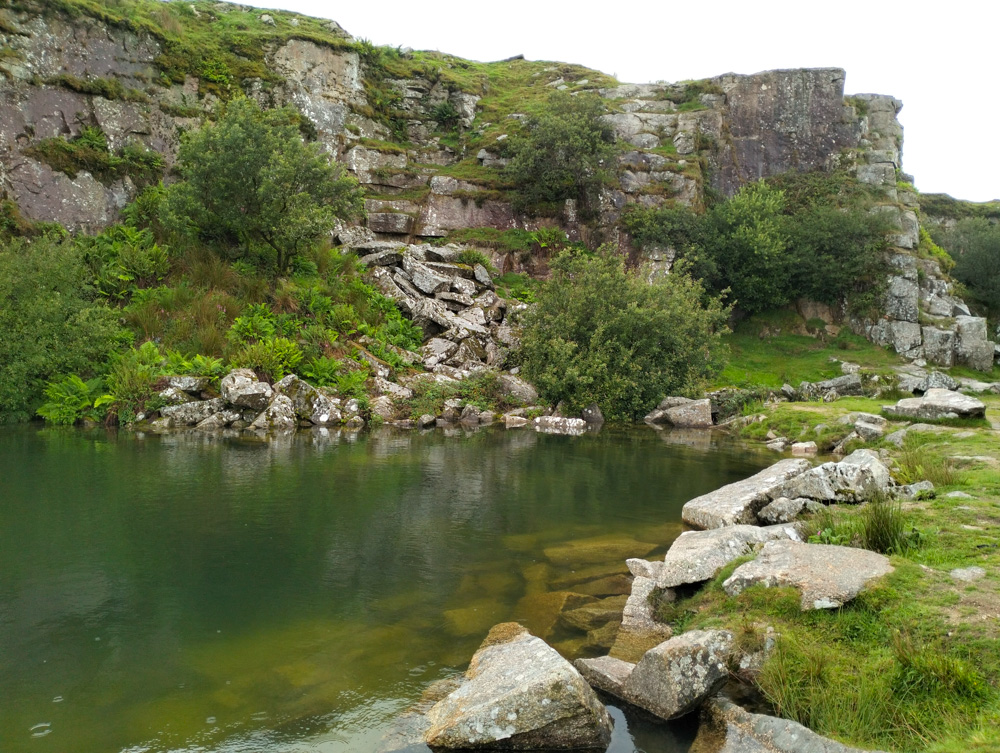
(914, 663)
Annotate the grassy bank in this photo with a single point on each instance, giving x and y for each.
(913, 664)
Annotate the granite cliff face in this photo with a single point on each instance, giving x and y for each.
(60, 74)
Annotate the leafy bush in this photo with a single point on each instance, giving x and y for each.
(258, 322)
(322, 371)
(132, 380)
(49, 323)
(975, 245)
(125, 259)
(601, 334)
(472, 257)
(71, 399)
(252, 186)
(272, 358)
(565, 152)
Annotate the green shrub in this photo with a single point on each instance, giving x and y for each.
(352, 383)
(257, 323)
(272, 358)
(975, 245)
(472, 257)
(132, 380)
(601, 334)
(125, 259)
(49, 323)
(884, 528)
(564, 152)
(322, 371)
(71, 399)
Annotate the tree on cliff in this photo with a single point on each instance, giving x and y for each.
(565, 152)
(254, 188)
(600, 333)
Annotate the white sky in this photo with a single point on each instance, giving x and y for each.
(938, 58)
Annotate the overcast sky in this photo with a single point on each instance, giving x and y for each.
(938, 58)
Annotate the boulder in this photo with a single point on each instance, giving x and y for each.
(697, 556)
(937, 404)
(423, 278)
(605, 673)
(519, 694)
(639, 629)
(856, 478)
(848, 384)
(517, 388)
(827, 576)
(514, 422)
(804, 448)
(279, 415)
(728, 728)
(174, 396)
(739, 502)
(308, 402)
(674, 677)
(192, 384)
(189, 414)
(592, 414)
(242, 389)
(559, 425)
(972, 347)
(785, 510)
(682, 412)
(939, 346)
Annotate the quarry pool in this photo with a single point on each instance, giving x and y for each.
(203, 593)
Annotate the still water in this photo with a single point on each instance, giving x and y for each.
(194, 593)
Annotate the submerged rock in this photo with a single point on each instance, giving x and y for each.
(827, 576)
(519, 694)
(739, 502)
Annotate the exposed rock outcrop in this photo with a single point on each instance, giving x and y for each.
(937, 404)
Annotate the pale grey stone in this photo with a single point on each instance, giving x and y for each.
(559, 425)
(674, 677)
(515, 422)
(189, 414)
(174, 396)
(517, 388)
(827, 576)
(968, 574)
(308, 403)
(697, 556)
(937, 404)
(242, 389)
(193, 384)
(739, 502)
(804, 448)
(856, 478)
(939, 346)
(279, 415)
(911, 491)
(782, 510)
(605, 673)
(727, 728)
(519, 693)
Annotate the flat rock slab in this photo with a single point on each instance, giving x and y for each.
(673, 678)
(519, 694)
(937, 404)
(728, 728)
(827, 576)
(639, 629)
(597, 549)
(738, 503)
(696, 556)
(605, 673)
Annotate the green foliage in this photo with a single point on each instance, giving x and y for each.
(928, 249)
(601, 334)
(123, 260)
(929, 671)
(257, 323)
(132, 380)
(472, 257)
(446, 116)
(351, 383)
(109, 88)
(884, 527)
(564, 152)
(50, 323)
(71, 399)
(89, 151)
(520, 287)
(323, 371)
(272, 358)
(764, 250)
(974, 243)
(482, 390)
(251, 186)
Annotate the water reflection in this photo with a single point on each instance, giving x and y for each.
(194, 591)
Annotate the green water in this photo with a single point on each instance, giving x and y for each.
(188, 593)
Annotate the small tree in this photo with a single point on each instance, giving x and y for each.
(565, 152)
(602, 334)
(975, 244)
(250, 182)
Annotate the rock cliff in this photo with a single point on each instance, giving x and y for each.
(422, 131)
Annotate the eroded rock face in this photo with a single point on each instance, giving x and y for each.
(937, 404)
(308, 402)
(739, 502)
(519, 694)
(674, 677)
(189, 414)
(827, 576)
(242, 389)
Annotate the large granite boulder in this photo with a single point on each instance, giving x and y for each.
(827, 576)
(727, 728)
(972, 347)
(278, 416)
(858, 477)
(673, 678)
(519, 694)
(696, 556)
(937, 404)
(189, 414)
(739, 502)
(242, 389)
(308, 402)
(682, 412)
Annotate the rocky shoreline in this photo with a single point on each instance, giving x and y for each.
(519, 693)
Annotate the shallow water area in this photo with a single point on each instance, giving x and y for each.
(190, 592)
